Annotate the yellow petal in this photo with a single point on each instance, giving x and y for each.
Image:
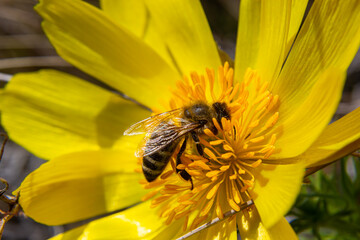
(338, 139)
(282, 231)
(129, 14)
(275, 190)
(138, 222)
(72, 234)
(87, 38)
(186, 33)
(134, 16)
(223, 230)
(298, 8)
(52, 113)
(250, 225)
(81, 185)
(329, 38)
(262, 36)
(298, 129)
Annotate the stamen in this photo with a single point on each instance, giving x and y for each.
(236, 193)
(185, 223)
(257, 140)
(224, 168)
(197, 221)
(213, 190)
(182, 214)
(154, 184)
(216, 124)
(149, 195)
(227, 155)
(210, 154)
(219, 211)
(228, 148)
(212, 173)
(159, 200)
(185, 197)
(216, 142)
(170, 217)
(209, 133)
(194, 172)
(234, 205)
(207, 207)
(166, 174)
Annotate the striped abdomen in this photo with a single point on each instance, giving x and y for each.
(154, 164)
(165, 137)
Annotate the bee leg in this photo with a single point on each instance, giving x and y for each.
(197, 143)
(181, 151)
(183, 173)
(186, 176)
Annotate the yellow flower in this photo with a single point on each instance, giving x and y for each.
(162, 54)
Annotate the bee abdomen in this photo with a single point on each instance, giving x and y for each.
(154, 164)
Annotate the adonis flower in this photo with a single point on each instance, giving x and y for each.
(280, 92)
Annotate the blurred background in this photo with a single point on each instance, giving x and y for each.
(328, 207)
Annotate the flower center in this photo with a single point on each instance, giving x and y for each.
(224, 172)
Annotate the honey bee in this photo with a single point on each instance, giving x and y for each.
(165, 131)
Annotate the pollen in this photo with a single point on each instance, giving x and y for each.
(223, 175)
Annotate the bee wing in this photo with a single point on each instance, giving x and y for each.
(163, 137)
(149, 124)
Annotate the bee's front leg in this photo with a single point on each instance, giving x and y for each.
(181, 151)
(199, 147)
(183, 173)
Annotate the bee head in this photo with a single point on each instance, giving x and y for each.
(199, 112)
